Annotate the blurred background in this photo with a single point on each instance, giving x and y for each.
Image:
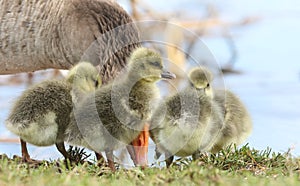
(251, 46)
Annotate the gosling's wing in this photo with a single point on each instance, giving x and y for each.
(48, 96)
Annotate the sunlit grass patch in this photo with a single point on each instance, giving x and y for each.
(244, 166)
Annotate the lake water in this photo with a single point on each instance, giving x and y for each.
(268, 56)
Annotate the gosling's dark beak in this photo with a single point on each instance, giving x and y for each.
(167, 75)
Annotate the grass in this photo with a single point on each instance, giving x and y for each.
(244, 166)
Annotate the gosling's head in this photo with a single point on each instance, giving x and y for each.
(84, 76)
(200, 79)
(145, 64)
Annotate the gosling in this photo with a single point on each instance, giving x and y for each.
(189, 121)
(238, 124)
(42, 113)
(116, 113)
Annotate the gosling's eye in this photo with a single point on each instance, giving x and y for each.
(207, 85)
(156, 63)
(96, 83)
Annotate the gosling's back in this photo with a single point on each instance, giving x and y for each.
(238, 124)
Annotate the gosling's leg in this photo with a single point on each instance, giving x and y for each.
(25, 154)
(132, 154)
(61, 148)
(110, 158)
(99, 157)
(169, 159)
(196, 155)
